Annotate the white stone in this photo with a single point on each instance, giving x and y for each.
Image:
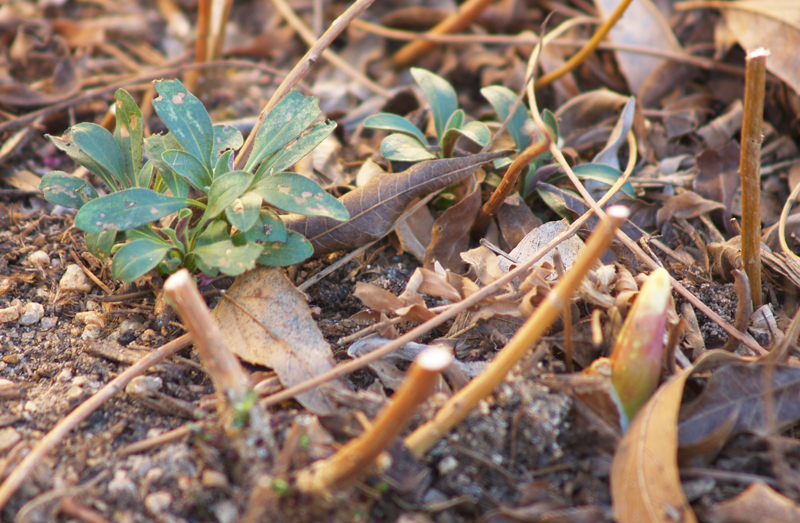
(8, 438)
(157, 502)
(48, 322)
(91, 332)
(90, 318)
(12, 312)
(75, 279)
(31, 313)
(39, 259)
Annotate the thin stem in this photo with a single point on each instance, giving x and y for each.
(526, 337)
(200, 43)
(581, 55)
(750, 168)
(354, 458)
(466, 14)
(300, 69)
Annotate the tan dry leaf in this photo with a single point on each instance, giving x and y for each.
(685, 205)
(645, 483)
(759, 502)
(277, 331)
(376, 298)
(773, 25)
(642, 25)
(538, 238)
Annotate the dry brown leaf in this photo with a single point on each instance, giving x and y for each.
(376, 298)
(718, 178)
(277, 331)
(773, 25)
(643, 25)
(66, 82)
(538, 238)
(685, 205)
(733, 402)
(645, 483)
(759, 502)
(375, 207)
(515, 220)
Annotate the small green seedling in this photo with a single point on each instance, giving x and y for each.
(409, 144)
(186, 206)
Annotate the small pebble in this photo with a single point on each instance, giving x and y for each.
(75, 279)
(74, 392)
(39, 259)
(12, 359)
(91, 332)
(12, 312)
(143, 385)
(48, 322)
(121, 486)
(215, 479)
(157, 502)
(31, 314)
(90, 318)
(64, 376)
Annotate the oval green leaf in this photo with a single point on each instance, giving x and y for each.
(225, 190)
(126, 210)
(395, 123)
(603, 174)
(137, 258)
(294, 193)
(243, 212)
(403, 148)
(226, 257)
(441, 97)
(295, 249)
(65, 190)
(502, 100)
(189, 167)
(186, 118)
(128, 134)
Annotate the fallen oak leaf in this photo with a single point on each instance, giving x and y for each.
(375, 207)
(759, 502)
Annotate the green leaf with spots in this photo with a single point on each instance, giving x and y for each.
(224, 164)
(94, 148)
(243, 212)
(154, 147)
(395, 123)
(137, 258)
(284, 123)
(441, 97)
(189, 167)
(125, 210)
(403, 148)
(226, 257)
(268, 229)
(225, 190)
(282, 254)
(65, 190)
(502, 100)
(226, 137)
(187, 119)
(128, 134)
(100, 243)
(294, 193)
(289, 156)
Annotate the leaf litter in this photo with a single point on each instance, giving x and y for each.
(684, 193)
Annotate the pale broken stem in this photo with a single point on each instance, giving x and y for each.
(300, 69)
(356, 456)
(200, 43)
(750, 168)
(458, 21)
(74, 418)
(633, 246)
(472, 300)
(525, 338)
(337, 61)
(226, 372)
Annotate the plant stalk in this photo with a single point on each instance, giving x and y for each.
(355, 457)
(750, 168)
(526, 337)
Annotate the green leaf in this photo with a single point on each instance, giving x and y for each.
(295, 249)
(154, 147)
(293, 153)
(186, 118)
(223, 164)
(128, 134)
(502, 99)
(243, 212)
(226, 137)
(101, 155)
(100, 243)
(441, 97)
(551, 123)
(145, 232)
(145, 176)
(284, 123)
(125, 210)
(269, 228)
(189, 167)
(214, 232)
(226, 257)
(456, 121)
(137, 258)
(393, 122)
(474, 131)
(403, 148)
(603, 174)
(65, 190)
(619, 136)
(294, 193)
(225, 190)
